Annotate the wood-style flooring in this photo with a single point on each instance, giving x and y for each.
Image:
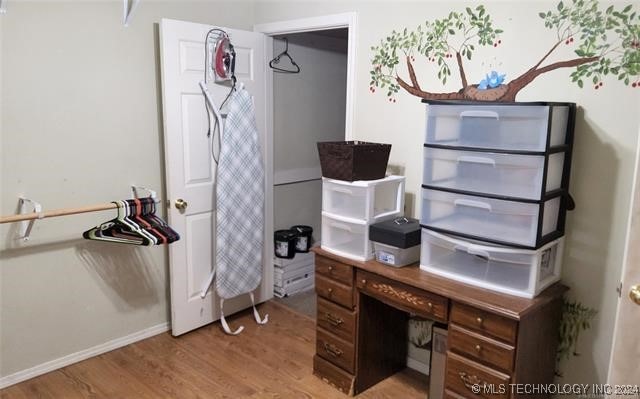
(270, 361)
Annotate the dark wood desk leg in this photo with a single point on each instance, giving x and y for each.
(382, 342)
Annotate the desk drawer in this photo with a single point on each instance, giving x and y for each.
(334, 291)
(337, 320)
(462, 374)
(484, 322)
(335, 270)
(333, 375)
(405, 297)
(335, 350)
(482, 349)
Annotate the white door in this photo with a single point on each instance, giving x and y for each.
(624, 368)
(190, 170)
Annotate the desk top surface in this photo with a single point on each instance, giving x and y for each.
(506, 305)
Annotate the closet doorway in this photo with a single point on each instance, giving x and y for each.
(311, 103)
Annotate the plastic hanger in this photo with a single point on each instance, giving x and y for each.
(285, 53)
(118, 230)
(136, 215)
(149, 214)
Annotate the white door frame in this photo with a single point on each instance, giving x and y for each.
(335, 21)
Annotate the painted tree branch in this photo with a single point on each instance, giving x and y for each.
(412, 74)
(530, 75)
(555, 46)
(463, 76)
(428, 95)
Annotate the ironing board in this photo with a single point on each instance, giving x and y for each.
(240, 205)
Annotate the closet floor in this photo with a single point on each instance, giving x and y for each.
(274, 360)
(301, 302)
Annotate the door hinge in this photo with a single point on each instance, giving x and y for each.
(619, 290)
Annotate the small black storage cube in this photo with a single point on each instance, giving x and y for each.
(396, 242)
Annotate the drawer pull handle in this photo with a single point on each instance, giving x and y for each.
(364, 282)
(330, 269)
(472, 204)
(470, 381)
(341, 226)
(481, 160)
(480, 114)
(430, 305)
(333, 320)
(332, 350)
(329, 291)
(341, 190)
(478, 348)
(479, 320)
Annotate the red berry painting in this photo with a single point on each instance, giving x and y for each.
(604, 42)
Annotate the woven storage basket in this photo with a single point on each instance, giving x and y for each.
(353, 160)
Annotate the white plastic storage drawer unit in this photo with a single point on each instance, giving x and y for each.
(346, 237)
(516, 223)
(533, 127)
(518, 272)
(364, 200)
(504, 175)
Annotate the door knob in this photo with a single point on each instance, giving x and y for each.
(181, 204)
(634, 294)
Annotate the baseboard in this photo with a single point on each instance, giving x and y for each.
(418, 366)
(82, 355)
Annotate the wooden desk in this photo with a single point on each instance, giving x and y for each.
(363, 309)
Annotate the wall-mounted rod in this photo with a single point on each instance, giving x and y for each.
(57, 212)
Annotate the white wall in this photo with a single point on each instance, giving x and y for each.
(81, 100)
(69, 102)
(308, 107)
(605, 144)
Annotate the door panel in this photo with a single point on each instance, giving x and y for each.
(624, 368)
(190, 171)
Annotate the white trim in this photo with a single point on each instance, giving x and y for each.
(418, 366)
(345, 20)
(266, 292)
(296, 175)
(82, 355)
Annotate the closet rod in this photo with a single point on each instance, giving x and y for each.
(57, 212)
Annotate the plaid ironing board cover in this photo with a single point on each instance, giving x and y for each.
(240, 201)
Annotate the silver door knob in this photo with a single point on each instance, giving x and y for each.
(181, 204)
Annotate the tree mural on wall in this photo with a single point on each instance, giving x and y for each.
(607, 42)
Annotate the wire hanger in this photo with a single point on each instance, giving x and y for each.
(276, 60)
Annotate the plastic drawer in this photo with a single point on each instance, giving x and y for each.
(512, 271)
(506, 175)
(346, 237)
(487, 219)
(364, 200)
(511, 127)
